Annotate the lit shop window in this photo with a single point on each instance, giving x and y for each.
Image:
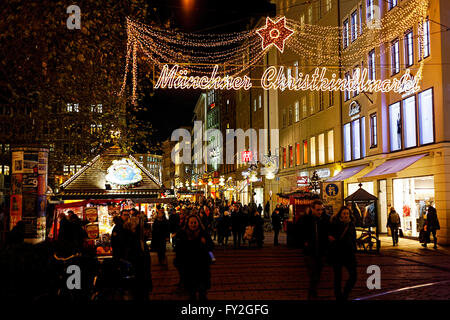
(373, 130)
(425, 33)
(330, 141)
(284, 158)
(371, 65)
(354, 22)
(426, 119)
(395, 126)
(312, 147)
(297, 112)
(392, 4)
(321, 148)
(395, 57)
(345, 34)
(297, 153)
(291, 156)
(305, 151)
(409, 48)
(409, 122)
(356, 139)
(370, 9)
(347, 142)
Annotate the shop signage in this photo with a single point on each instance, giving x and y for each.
(123, 172)
(92, 231)
(323, 173)
(91, 214)
(302, 180)
(354, 109)
(246, 156)
(332, 194)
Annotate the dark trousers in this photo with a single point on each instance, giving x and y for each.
(429, 233)
(314, 266)
(237, 238)
(351, 269)
(221, 238)
(162, 254)
(275, 236)
(394, 234)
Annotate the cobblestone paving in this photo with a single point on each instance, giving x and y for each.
(279, 273)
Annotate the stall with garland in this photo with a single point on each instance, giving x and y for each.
(111, 182)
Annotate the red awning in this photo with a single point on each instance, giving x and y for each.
(391, 167)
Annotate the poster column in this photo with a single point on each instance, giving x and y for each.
(28, 190)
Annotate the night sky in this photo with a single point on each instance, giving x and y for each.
(171, 109)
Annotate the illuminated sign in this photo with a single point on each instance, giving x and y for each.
(354, 109)
(123, 172)
(246, 156)
(275, 79)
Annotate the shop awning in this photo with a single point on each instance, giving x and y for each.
(346, 173)
(391, 167)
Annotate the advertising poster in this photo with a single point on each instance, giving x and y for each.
(30, 182)
(30, 162)
(42, 205)
(17, 162)
(30, 205)
(332, 194)
(91, 214)
(16, 183)
(16, 205)
(92, 231)
(114, 211)
(31, 231)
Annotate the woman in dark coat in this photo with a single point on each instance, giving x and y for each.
(342, 235)
(193, 257)
(160, 236)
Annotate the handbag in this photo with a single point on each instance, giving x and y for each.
(400, 233)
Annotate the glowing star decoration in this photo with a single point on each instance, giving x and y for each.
(123, 172)
(275, 33)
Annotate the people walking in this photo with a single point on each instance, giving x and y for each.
(160, 236)
(193, 258)
(276, 226)
(393, 223)
(432, 225)
(236, 226)
(342, 251)
(314, 240)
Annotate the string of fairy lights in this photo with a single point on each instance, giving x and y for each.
(236, 52)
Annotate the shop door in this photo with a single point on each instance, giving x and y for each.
(382, 206)
(259, 196)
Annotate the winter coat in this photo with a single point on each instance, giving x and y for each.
(393, 220)
(276, 221)
(343, 248)
(314, 234)
(223, 226)
(160, 234)
(432, 221)
(174, 222)
(193, 259)
(236, 218)
(121, 241)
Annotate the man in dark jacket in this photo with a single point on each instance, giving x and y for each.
(393, 223)
(276, 225)
(314, 233)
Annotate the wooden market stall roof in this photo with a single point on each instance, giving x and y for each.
(90, 182)
(361, 195)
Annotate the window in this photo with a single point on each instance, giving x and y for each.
(395, 58)
(355, 92)
(260, 101)
(370, 9)
(330, 98)
(321, 148)
(254, 105)
(320, 100)
(284, 118)
(66, 170)
(409, 122)
(305, 151)
(72, 169)
(347, 142)
(356, 139)
(363, 137)
(395, 126)
(284, 158)
(291, 157)
(426, 119)
(354, 22)
(311, 102)
(392, 4)
(304, 108)
(373, 130)
(296, 70)
(302, 21)
(312, 146)
(290, 115)
(297, 154)
(330, 141)
(371, 65)
(97, 108)
(424, 33)
(409, 49)
(347, 92)
(310, 18)
(289, 73)
(6, 170)
(297, 112)
(328, 5)
(78, 168)
(345, 34)
(6, 147)
(360, 18)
